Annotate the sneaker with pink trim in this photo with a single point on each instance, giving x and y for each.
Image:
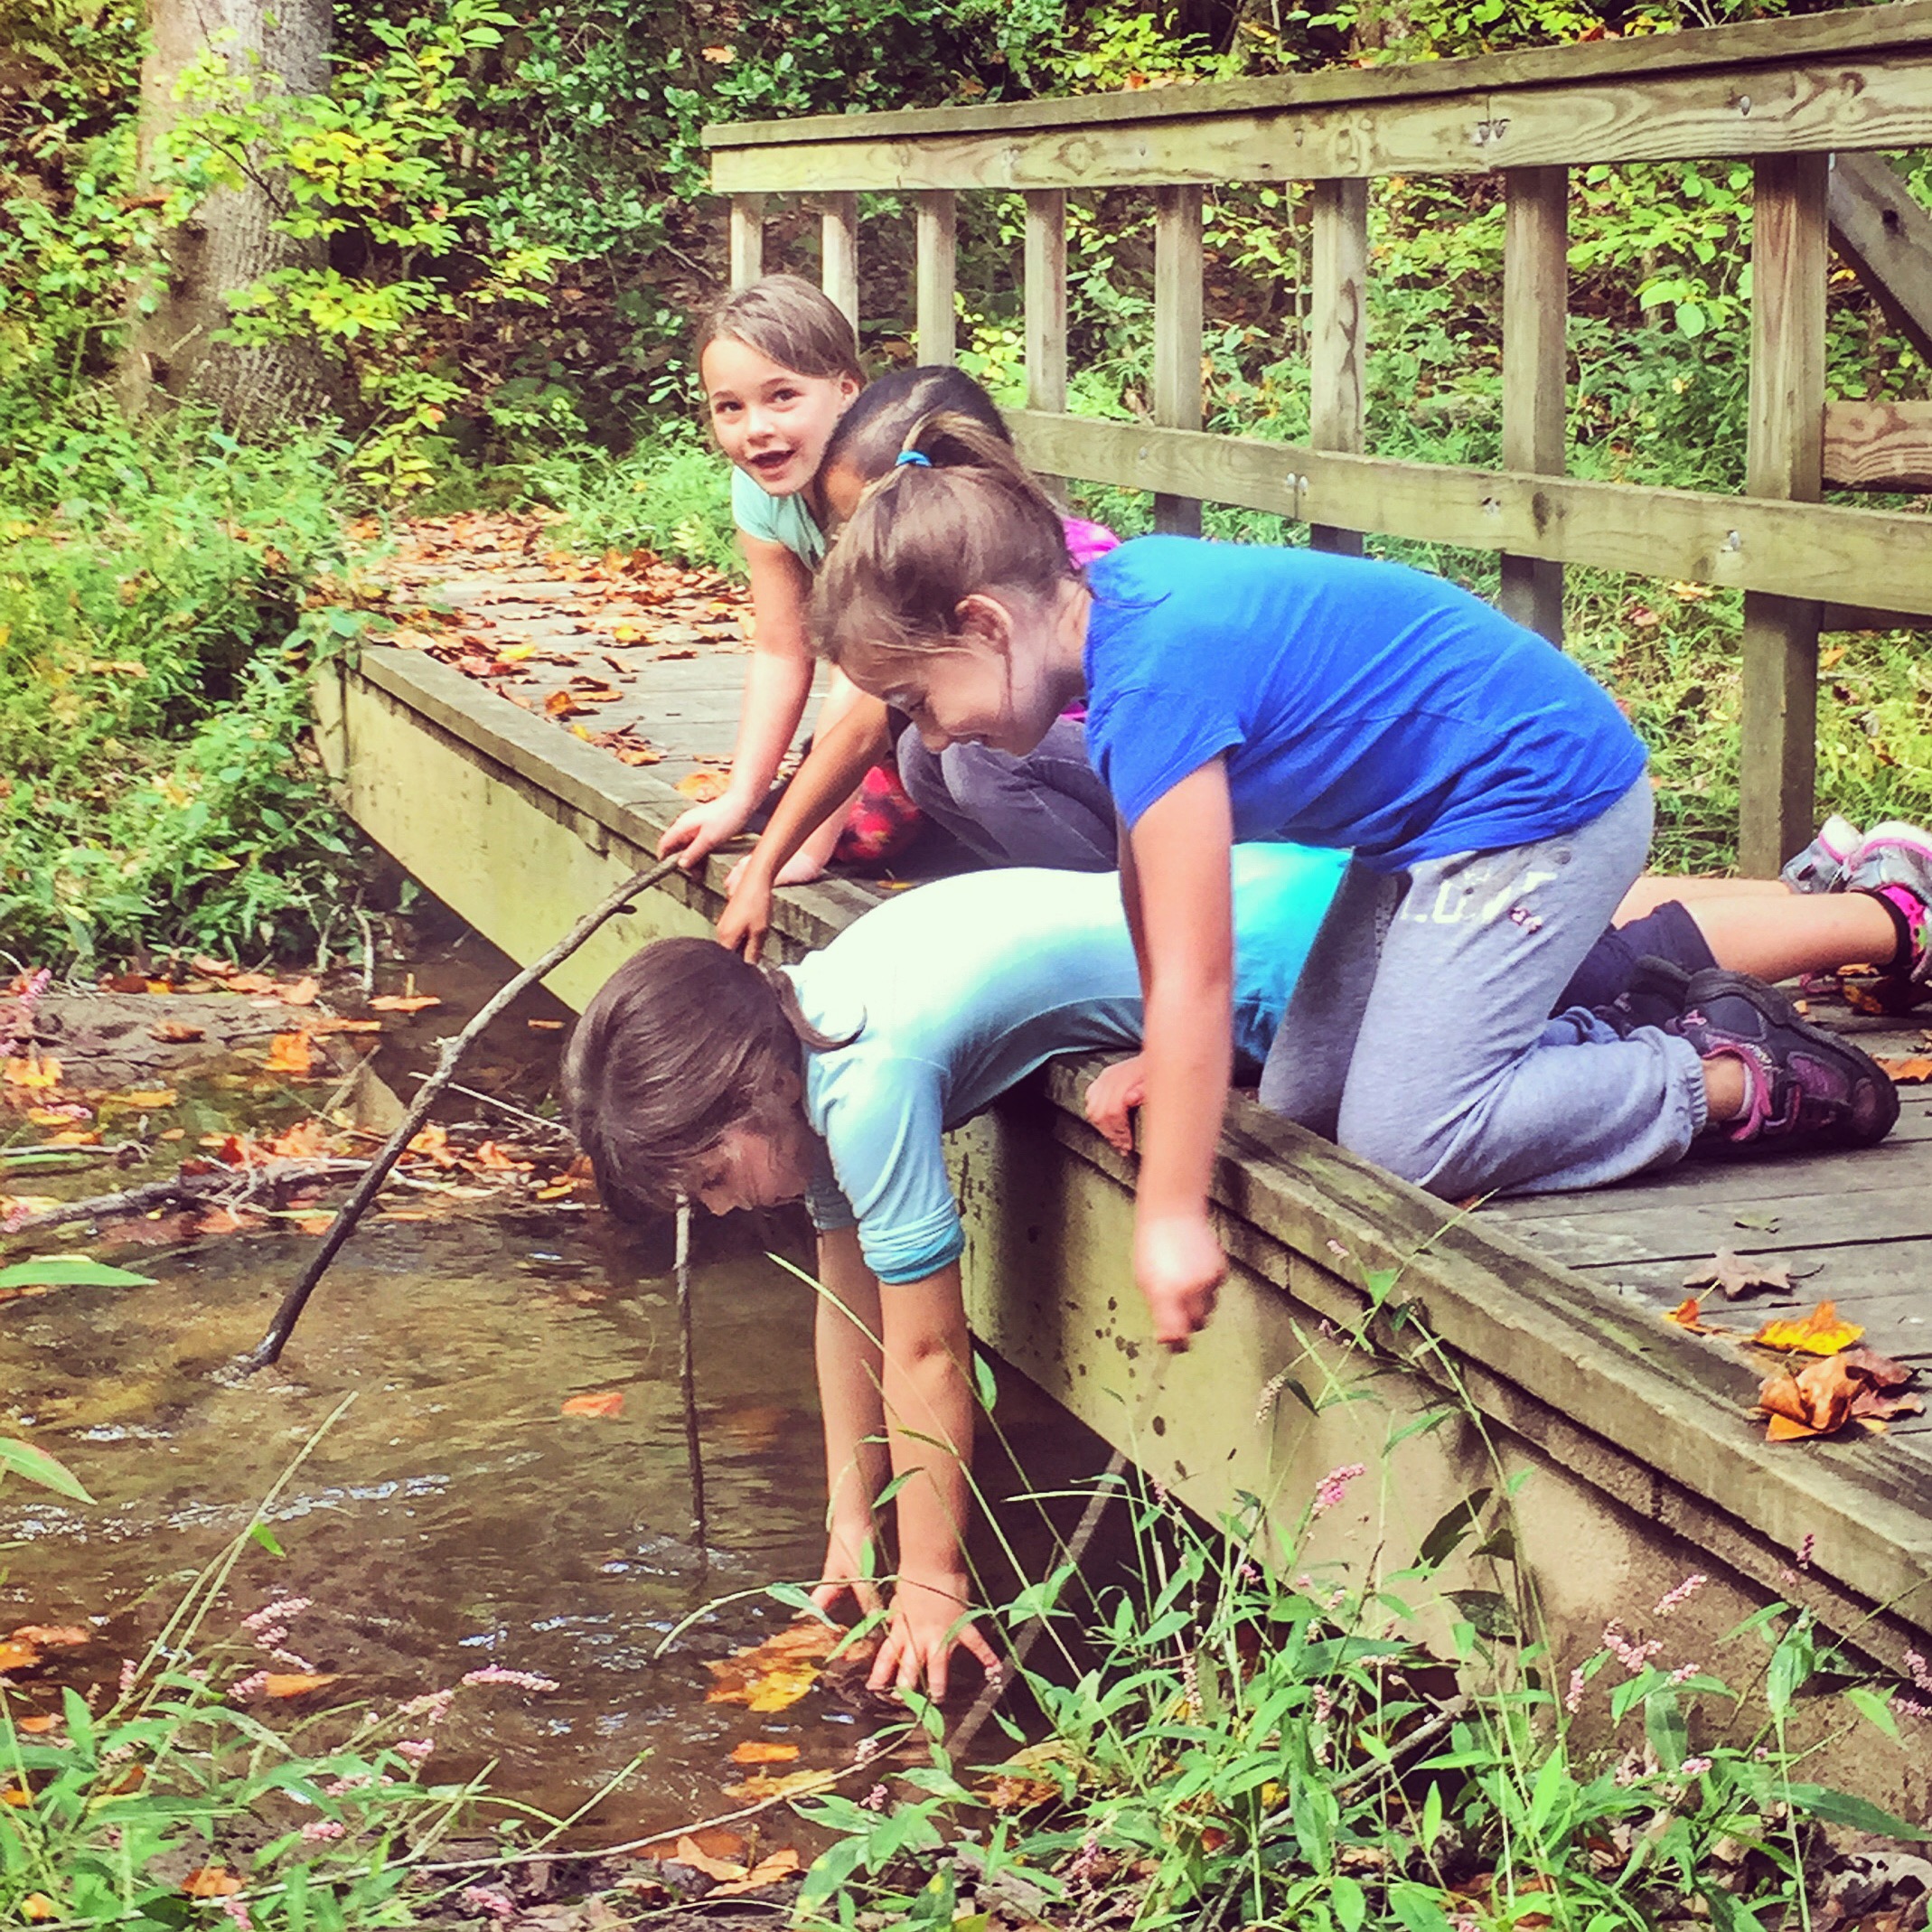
(1804, 1088)
(1820, 866)
(1893, 864)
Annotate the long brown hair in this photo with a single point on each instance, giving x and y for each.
(682, 1044)
(790, 322)
(957, 513)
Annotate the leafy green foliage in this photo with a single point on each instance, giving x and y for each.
(154, 643)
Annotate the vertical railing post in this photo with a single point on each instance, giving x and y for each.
(1044, 301)
(1338, 334)
(1178, 335)
(1535, 369)
(1784, 458)
(838, 252)
(935, 226)
(748, 239)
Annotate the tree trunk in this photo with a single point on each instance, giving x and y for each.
(175, 353)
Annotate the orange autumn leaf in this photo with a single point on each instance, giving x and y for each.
(1819, 1333)
(18, 1657)
(1689, 1314)
(54, 1636)
(1819, 1399)
(607, 1402)
(774, 1674)
(295, 992)
(251, 982)
(332, 1025)
(403, 1002)
(211, 1881)
(290, 1052)
(17, 1795)
(149, 1098)
(37, 1726)
(782, 1864)
(38, 1905)
(316, 1224)
(561, 704)
(703, 786)
(295, 1684)
(36, 1073)
(1915, 1066)
(691, 1852)
(173, 1032)
(754, 1751)
(209, 968)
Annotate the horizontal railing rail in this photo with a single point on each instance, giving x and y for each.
(1787, 95)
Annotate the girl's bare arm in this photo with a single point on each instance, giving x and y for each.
(846, 1345)
(840, 756)
(777, 683)
(1180, 911)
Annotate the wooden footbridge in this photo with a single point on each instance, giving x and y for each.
(1525, 1339)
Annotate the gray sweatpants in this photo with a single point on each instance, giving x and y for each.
(1047, 809)
(1420, 1036)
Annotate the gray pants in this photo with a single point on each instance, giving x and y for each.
(1420, 1036)
(1046, 809)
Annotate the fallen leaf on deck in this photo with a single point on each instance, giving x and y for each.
(1918, 1066)
(774, 1674)
(705, 785)
(754, 1751)
(173, 1032)
(289, 1053)
(1764, 1223)
(1856, 1386)
(607, 1402)
(560, 704)
(766, 1871)
(1736, 1276)
(1820, 1333)
(211, 1881)
(295, 1684)
(1689, 1314)
(403, 1002)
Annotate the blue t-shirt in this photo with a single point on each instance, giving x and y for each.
(783, 519)
(960, 988)
(1358, 704)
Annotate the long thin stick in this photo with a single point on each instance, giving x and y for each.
(450, 1056)
(688, 1379)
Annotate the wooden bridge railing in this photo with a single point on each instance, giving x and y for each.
(1787, 95)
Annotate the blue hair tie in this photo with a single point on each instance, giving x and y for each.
(915, 456)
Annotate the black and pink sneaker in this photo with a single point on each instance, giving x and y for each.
(1805, 1088)
(1893, 865)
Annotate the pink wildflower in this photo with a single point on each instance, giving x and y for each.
(321, 1831)
(1633, 1656)
(1683, 1593)
(1805, 1549)
(483, 1899)
(875, 1798)
(1333, 1486)
(237, 1908)
(252, 1685)
(1695, 1767)
(1684, 1674)
(342, 1786)
(277, 1612)
(524, 1680)
(130, 1671)
(415, 1749)
(1573, 1698)
(433, 1705)
(294, 1659)
(1914, 1668)
(1911, 1707)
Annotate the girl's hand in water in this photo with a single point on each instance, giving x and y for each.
(919, 1639)
(1116, 1092)
(849, 1565)
(703, 829)
(1180, 1267)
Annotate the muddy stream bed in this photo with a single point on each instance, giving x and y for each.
(455, 1517)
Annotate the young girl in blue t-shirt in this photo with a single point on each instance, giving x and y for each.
(1493, 799)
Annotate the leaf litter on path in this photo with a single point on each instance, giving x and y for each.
(1854, 1385)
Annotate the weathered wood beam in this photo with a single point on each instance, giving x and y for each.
(1821, 551)
(838, 252)
(1784, 458)
(1886, 237)
(1801, 108)
(1339, 334)
(936, 229)
(1177, 312)
(748, 239)
(1879, 446)
(1825, 37)
(1044, 300)
(1535, 369)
